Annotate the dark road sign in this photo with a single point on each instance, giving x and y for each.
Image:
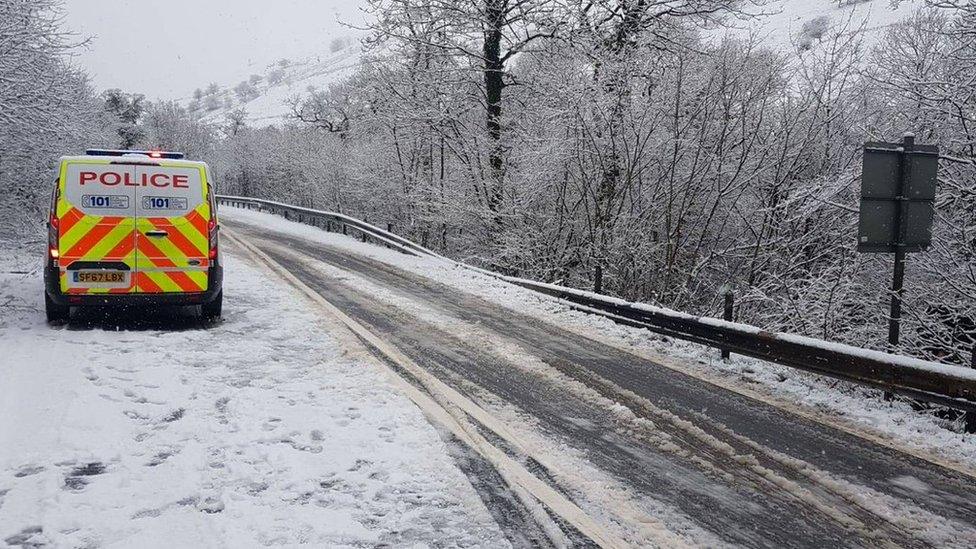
(897, 207)
(897, 197)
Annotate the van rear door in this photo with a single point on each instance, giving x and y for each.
(172, 216)
(95, 212)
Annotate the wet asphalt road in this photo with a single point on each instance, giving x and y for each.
(748, 473)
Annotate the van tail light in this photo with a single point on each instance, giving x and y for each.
(212, 235)
(52, 229)
(52, 238)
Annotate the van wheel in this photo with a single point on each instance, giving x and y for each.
(55, 312)
(212, 310)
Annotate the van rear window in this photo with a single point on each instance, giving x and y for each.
(163, 191)
(98, 189)
(126, 190)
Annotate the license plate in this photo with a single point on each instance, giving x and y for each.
(101, 277)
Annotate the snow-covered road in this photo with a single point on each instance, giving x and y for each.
(644, 445)
(160, 431)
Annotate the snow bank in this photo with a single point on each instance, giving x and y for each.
(160, 431)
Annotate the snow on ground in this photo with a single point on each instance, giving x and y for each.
(843, 404)
(133, 431)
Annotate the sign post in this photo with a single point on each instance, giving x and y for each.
(898, 280)
(897, 207)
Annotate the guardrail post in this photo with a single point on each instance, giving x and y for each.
(727, 315)
(389, 227)
(344, 229)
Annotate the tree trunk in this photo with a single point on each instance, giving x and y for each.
(494, 84)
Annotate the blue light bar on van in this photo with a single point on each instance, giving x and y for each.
(168, 155)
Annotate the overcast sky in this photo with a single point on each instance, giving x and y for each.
(166, 49)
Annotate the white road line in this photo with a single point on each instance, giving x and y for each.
(438, 405)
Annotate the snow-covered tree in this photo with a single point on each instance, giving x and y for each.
(47, 108)
(128, 108)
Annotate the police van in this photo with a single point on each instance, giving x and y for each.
(132, 228)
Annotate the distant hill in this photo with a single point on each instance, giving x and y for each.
(264, 96)
(789, 22)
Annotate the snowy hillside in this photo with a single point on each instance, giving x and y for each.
(781, 23)
(264, 96)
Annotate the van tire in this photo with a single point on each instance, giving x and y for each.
(211, 311)
(55, 312)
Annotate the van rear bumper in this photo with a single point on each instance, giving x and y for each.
(52, 285)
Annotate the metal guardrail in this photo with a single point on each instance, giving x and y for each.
(325, 220)
(941, 384)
